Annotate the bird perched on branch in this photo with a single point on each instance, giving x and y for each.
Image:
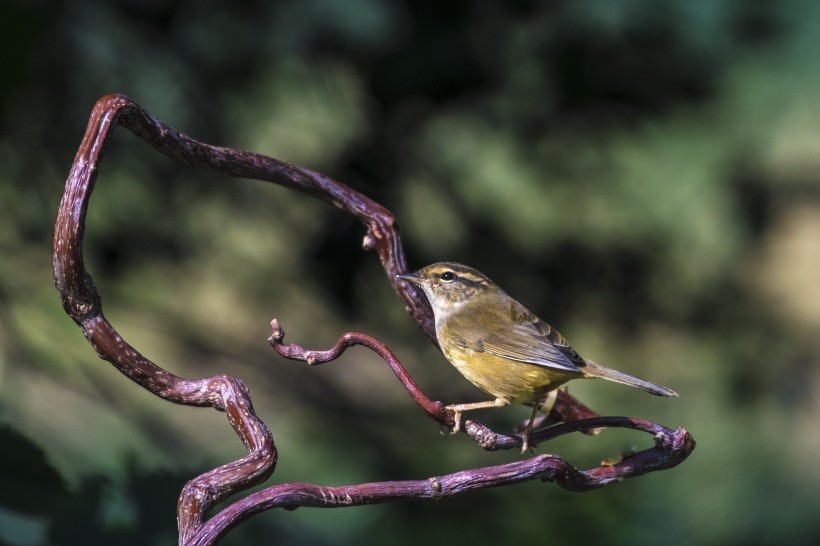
(500, 346)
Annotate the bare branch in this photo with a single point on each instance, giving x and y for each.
(576, 416)
(671, 448)
(435, 410)
(82, 303)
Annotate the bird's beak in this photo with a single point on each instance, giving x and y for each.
(414, 278)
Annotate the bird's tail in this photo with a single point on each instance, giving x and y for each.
(593, 369)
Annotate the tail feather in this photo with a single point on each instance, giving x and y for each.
(593, 369)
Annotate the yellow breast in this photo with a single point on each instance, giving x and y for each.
(513, 381)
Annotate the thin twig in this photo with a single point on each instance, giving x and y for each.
(583, 419)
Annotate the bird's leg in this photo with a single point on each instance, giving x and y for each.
(525, 442)
(548, 402)
(539, 403)
(458, 409)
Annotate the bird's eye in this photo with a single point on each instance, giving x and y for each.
(448, 276)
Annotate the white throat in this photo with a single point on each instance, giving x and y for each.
(443, 310)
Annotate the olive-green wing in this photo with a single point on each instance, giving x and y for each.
(515, 334)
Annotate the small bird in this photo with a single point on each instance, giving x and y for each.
(500, 346)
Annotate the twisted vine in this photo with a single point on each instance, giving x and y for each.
(81, 302)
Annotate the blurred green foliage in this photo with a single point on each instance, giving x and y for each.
(643, 175)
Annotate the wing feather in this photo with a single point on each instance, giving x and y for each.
(525, 338)
(534, 343)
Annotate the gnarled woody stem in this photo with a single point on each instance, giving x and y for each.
(670, 450)
(81, 301)
(583, 419)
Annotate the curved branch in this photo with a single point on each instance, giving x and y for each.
(436, 410)
(82, 303)
(576, 417)
(565, 409)
(479, 432)
(671, 448)
(382, 233)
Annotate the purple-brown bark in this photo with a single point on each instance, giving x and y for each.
(82, 303)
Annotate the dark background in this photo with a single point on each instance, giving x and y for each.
(641, 174)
